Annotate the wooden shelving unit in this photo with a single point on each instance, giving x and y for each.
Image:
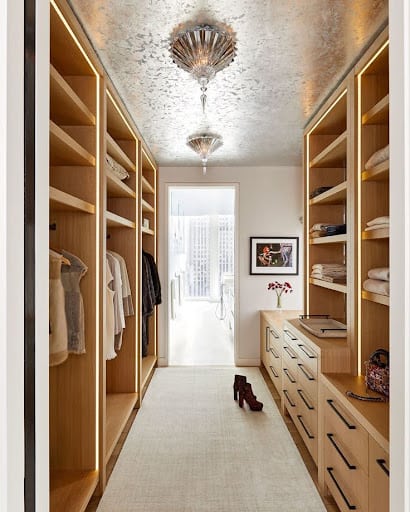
(379, 114)
(334, 155)
(378, 173)
(148, 202)
(73, 197)
(117, 188)
(118, 154)
(118, 409)
(116, 221)
(334, 239)
(376, 298)
(376, 234)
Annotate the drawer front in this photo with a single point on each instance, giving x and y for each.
(289, 358)
(379, 473)
(349, 487)
(289, 387)
(349, 435)
(306, 423)
(308, 357)
(275, 375)
(275, 350)
(307, 381)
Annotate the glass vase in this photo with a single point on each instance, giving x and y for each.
(278, 301)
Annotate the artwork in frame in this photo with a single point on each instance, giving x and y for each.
(274, 256)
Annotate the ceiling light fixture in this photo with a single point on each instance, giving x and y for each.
(203, 50)
(204, 145)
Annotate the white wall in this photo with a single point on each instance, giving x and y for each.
(11, 256)
(269, 203)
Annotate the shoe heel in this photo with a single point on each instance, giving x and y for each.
(235, 393)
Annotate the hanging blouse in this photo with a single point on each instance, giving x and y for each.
(74, 306)
(58, 340)
(126, 289)
(109, 321)
(117, 287)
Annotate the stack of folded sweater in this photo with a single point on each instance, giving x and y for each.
(330, 272)
(378, 281)
(324, 229)
(378, 223)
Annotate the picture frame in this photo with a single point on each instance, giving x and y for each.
(274, 255)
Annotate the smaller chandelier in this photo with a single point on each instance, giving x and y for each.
(203, 50)
(204, 145)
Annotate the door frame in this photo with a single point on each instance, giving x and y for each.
(164, 346)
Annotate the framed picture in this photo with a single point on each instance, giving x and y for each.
(274, 256)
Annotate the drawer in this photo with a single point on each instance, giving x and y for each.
(349, 435)
(289, 391)
(307, 381)
(289, 357)
(306, 423)
(275, 375)
(349, 487)
(274, 335)
(308, 357)
(379, 473)
(275, 350)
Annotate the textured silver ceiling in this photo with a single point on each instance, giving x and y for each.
(290, 54)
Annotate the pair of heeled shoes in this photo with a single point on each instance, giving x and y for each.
(244, 389)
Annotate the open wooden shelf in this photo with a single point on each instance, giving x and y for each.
(118, 154)
(116, 221)
(334, 155)
(146, 186)
(117, 188)
(147, 231)
(71, 490)
(147, 365)
(64, 150)
(146, 207)
(336, 195)
(337, 287)
(66, 107)
(61, 201)
(118, 410)
(333, 239)
(375, 297)
(376, 234)
(378, 173)
(379, 114)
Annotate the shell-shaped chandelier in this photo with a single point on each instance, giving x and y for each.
(204, 145)
(203, 50)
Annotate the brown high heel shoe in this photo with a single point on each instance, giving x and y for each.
(239, 382)
(246, 393)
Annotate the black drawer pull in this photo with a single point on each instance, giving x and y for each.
(274, 333)
(339, 451)
(348, 425)
(350, 507)
(273, 371)
(302, 396)
(267, 339)
(309, 354)
(291, 336)
(382, 464)
(285, 392)
(290, 352)
(288, 375)
(305, 373)
(275, 355)
(310, 436)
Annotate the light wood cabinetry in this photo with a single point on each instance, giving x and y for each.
(350, 128)
(92, 211)
(271, 339)
(74, 179)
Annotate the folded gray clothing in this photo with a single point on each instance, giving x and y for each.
(377, 286)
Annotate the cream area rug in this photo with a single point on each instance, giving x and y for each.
(192, 449)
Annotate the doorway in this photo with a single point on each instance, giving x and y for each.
(201, 270)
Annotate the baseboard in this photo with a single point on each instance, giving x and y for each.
(162, 361)
(247, 362)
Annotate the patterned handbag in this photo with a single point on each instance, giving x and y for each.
(377, 372)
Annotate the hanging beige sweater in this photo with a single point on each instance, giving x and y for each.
(58, 337)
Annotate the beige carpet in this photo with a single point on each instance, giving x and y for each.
(192, 449)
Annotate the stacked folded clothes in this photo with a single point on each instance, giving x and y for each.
(323, 229)
(378, 223)
(330, 272)
(378, 281)
(378, 157)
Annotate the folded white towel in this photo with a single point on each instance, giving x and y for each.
(378, 157)
(379, 220)
(381, 273)
(322, 266)
(377, 286)
(377, 226)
